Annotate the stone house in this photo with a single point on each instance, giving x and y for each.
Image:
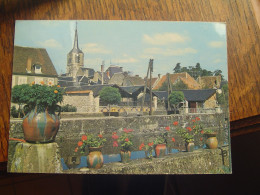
(209, 82)
(32, 65)
(123, 79)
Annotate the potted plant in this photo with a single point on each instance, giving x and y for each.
(125, 143)
(148, 148)
(160, 145)
(40, 124)
(94, 144)
(211, 139)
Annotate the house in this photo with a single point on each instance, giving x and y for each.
(123, 79)
(175, 78)
(209, 82)
(202, 100)
(112, 69)
(32, 65)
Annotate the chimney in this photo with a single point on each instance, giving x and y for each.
(108, 74)
(159, 75)
(102, 72)
(29, 65)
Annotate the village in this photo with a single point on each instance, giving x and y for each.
(142, 117)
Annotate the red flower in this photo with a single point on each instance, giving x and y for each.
(58, 85)
(100, 136)
(115, 136)
(84, 138)
(173, 139)
(55, 91)
(189, 129)
(80, 143)
(193, 121)
(194, 127)
(175, 123)
(201, 131)
(201, 139)
(167, 128)
(76, 149)
(130, 130)
(150, 144)
(115, 144)
(125, 130)
(197, 119)
(141, 146)
(126, 139)
(114, 133)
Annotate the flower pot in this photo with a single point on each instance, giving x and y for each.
(211, 140)
(40, 127)
(125, 156)
(160, 150)
(95, 158)
(189, 146)
(72, 161)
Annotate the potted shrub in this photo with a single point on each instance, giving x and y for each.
(94, 144)
(41, 124)
(211, 139)
(148, 148)
(160, 145)
(125, 143)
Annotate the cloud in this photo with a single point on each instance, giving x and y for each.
(220, 28)
(216, 44)
(164, 38)
(169, 52)
(217, 60)
(95, 48)
(125, 60)
(51, 43)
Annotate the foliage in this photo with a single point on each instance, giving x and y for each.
(14, 112)
(110, 95)
(68, 108)
(125, 140)
(196, 71)
(90, 141)
(148, 148)
(176, 97)
(187, 133)
(222, 98)
(162, 138)
(38, 96)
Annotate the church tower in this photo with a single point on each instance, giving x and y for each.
(75, 59)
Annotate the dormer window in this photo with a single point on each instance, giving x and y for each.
(38, 69)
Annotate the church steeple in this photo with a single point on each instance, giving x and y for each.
(76, 44)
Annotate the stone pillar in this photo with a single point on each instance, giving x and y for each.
(36, 158)
(155, 102)
(186, 108)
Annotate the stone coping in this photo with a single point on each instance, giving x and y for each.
(202, 161)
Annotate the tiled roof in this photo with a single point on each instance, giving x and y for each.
(117, 78)
(190, 95)
(135, 80)
(37, 55)
(184, 76)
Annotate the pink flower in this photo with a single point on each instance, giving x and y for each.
(201, 131)
(130, 130)
(115, 136)
(126, 139)
(76, 149)
(125, 130)
(115, 144)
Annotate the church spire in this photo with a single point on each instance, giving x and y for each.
(76, 45)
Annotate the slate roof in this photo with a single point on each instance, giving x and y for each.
(113, 69)
(38, 56)
(200, 95)
(135, 80)
(117, 78)
(132, 89)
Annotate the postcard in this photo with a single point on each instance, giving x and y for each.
(119, 97)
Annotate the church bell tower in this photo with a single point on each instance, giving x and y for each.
(75, 59)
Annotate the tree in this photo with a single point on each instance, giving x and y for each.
(179, 85)
(110, 95)
(175, 98)
(177, 68)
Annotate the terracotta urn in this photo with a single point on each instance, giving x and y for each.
(211, 140)
(160, 150)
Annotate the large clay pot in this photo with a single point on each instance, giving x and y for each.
(40, 127)
(95, 158)
(189, 146)
(211, 140)
(160, 150)
(125, 156)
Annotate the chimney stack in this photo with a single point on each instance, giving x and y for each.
(29, 65)
(102, 72)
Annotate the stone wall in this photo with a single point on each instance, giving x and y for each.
(146, 128)
(211, 102)
(83, 102)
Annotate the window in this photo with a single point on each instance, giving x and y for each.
(38, 80)
(22, 80)
(38, 69)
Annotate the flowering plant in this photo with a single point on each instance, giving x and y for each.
(40, 96)
(90, 141)
(187, 134)
(148, 148)
(125, 140)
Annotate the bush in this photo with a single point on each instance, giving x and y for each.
(110, 95)
(16, 112)
(68, 108)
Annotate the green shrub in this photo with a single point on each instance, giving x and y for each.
(68, 108)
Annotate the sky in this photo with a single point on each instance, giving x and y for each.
(129, 44)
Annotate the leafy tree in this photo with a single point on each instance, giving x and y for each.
(175, 98)
(110, 95)
(177, 68)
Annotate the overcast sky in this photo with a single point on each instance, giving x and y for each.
(130, 44)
